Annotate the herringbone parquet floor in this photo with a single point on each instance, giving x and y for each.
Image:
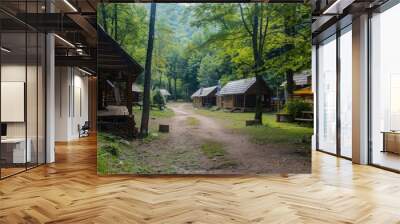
(69, 191)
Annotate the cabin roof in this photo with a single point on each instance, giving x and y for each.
(237, 87)
(202, 92)
(112, 57)
(165, 92)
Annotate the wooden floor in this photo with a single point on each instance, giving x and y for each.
(69, 191)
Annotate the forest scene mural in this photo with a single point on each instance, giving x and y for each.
(214, 89)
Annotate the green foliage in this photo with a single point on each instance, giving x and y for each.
(132, 26)
(295, 107)
(199, 44)
(159, 99)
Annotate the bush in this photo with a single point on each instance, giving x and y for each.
(295, 107)
(159, 100)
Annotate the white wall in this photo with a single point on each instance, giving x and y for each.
(71, 102)
(62, 82)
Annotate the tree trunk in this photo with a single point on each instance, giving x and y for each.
(129, 94)
(159, 85)
(257, 64)
(169, 85)
(289, 84)
(175, 87)
(144, 126)
(129, 104)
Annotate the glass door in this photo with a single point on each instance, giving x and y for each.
(327, 95)
(346, 92)
(385, 89)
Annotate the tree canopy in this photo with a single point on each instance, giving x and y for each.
(199, 45)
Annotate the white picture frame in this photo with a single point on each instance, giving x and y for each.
(12, 101)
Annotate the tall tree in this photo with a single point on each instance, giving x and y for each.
(258, 33)
(144, 126)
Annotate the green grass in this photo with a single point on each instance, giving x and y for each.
(155, 114)
(192, 121)
(213, 149)
(270, 132)
(166, 113)
(116, 156)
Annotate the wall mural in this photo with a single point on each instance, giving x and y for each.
(204, 88)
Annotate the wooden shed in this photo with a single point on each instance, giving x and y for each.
(241, 95)
(205, 97)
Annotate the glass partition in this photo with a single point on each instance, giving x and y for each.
(22, 90)
(385, 89)
(13, 91)
(327, 95)
(346, 92)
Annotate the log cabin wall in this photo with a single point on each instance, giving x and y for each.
(228, 101)
(219, 101)
(197, 102)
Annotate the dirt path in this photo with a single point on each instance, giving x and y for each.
(248, 157)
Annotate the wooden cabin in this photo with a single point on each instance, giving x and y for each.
(241, 95)
(205, 97)
(116, 73)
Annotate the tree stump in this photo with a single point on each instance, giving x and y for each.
(163, 128)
